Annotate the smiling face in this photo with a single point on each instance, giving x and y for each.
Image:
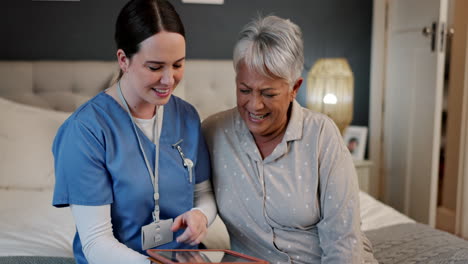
(152, 74)
(263, 102)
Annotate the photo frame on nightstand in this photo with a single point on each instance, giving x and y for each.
(355, 138)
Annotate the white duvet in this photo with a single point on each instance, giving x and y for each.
(31, 226)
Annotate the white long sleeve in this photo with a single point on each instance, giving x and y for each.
(204, 200)
(97, 239)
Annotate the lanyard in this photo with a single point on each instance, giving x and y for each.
(153, 175)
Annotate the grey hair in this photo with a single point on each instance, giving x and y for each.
(271, 46)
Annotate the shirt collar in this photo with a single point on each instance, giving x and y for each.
(296, 123)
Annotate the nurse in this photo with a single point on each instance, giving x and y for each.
(131, 162)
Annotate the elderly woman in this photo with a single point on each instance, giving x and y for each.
(285, 183)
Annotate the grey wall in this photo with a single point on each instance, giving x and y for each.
(83, 30)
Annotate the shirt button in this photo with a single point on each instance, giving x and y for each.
(156, 196)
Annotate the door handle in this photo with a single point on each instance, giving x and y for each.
(430, 31)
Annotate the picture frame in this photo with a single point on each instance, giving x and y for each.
(355, 138)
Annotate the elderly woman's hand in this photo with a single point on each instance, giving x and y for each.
(195, 224)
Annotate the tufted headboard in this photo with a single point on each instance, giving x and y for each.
(64, 85)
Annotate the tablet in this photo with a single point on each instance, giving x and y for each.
(173, 256)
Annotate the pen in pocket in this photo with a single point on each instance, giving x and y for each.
(188, 163)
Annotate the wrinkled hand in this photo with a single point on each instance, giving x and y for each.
(195, 224)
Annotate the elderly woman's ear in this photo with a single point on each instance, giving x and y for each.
(295, 88)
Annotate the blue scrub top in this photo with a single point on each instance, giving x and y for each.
(98, 161)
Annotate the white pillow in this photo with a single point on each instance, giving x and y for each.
(26, 136)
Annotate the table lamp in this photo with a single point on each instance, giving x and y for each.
(330, 88)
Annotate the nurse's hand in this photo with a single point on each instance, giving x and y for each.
(195, 224)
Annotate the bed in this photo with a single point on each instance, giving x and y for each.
(37, 96)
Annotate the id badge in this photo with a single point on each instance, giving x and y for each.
(156, 234)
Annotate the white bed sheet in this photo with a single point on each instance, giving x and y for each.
(375, 214)
(31, 226)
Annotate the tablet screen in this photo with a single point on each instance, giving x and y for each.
(202, 257)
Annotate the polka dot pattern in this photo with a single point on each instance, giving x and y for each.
(281, 208)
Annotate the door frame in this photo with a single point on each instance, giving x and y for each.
(460, 74)
(377, 84)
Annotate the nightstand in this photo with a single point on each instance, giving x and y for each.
(363, 170)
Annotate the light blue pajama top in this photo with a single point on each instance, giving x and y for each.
(98, 161)
(298, 205)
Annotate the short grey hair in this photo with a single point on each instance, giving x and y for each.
(271, 46)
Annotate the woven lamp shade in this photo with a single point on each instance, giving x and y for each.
(330, 89)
